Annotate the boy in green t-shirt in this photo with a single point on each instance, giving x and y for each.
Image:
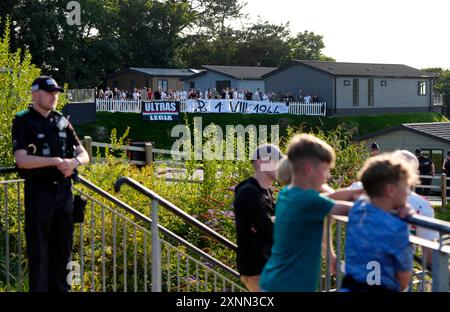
(300, 211)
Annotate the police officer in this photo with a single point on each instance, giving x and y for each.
(446, 169)
(47, 151)
(426, 167)
(375, 149)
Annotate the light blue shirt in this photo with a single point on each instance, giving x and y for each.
(375, 236)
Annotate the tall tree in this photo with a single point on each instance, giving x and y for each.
(211, 28)
(307, 46)
(59, 49)
(263, 44)
(215, 16)
(16, 75)
(152, 39)
(442, 84)
(113, 34)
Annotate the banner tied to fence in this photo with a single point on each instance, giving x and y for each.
(161, 110)
(235, 106)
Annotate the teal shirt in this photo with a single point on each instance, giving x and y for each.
(296, 253)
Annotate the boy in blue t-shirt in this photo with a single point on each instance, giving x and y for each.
(377, 249)
(294, 264)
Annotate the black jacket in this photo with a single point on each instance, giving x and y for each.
(425, 165)
(253, 207)
(447, 167)
(51, 136)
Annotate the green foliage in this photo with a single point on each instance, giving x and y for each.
(16, 75)
(442, 84)
(17, 72)
(11, 226)
(146, 33)
(112, 35)
(258, 44)
(443, 214)
(210, 201)
(154, 35)
(306, 46)
(263, 44)
(350, 156)
(159, 132)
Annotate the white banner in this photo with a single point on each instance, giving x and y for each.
(235, 106)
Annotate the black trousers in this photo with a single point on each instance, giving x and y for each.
(424, 181)
(49, 234)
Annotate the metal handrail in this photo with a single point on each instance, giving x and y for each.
(148, 220)
(8, 170)
(416, 219)
(144, 219)
(437, 269)
(426, 222)
(174, 209)
(429, 223)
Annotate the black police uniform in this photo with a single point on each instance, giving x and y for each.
(425, 168)
(447, 172)
(48, 198)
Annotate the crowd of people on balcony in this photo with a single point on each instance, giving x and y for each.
(146, 94)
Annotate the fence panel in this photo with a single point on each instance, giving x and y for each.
(111, 251)
(134, 106)
(123, 106)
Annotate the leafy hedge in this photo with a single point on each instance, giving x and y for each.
(159, 132)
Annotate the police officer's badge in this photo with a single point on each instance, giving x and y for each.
(62, 123)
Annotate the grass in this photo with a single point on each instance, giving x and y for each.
(443, 214)
(160, 132)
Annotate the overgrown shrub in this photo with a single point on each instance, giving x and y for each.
(17, 72)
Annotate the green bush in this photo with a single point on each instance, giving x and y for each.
(16, 75)
(159, 132)
(210, 201)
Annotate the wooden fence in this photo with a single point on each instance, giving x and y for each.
(148, 150)
(440, 185)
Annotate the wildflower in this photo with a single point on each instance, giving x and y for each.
(228, 214)
(208, 264)
(192, 280)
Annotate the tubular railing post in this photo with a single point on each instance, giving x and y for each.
(156, 250)
(328, 255)
(177, 211)
(87, 143)
(7, 271)
(424, 270)
(444, 190)
(19, 216)
(440, 273)
(338, 255)
(148, 153)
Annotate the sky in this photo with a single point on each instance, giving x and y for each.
(410, 32)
